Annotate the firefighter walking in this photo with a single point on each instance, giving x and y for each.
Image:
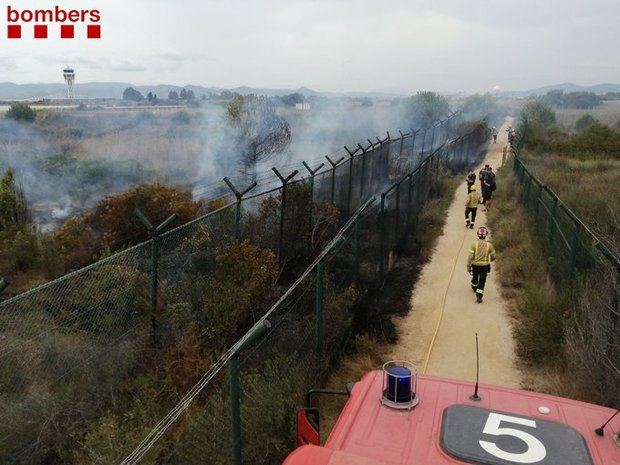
(471, 206)
(481, 254)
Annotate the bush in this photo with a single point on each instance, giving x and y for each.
(112, 224)
(235, 296)
(585, 122)
(180, 117)
(21, 112)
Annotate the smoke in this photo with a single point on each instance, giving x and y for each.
(67, 161)
(56, 184)
(324, 129)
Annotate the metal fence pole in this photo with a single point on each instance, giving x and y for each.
(234, 384)
(318, 307)
(356, 251)
(574, 248)
(239, 195)
(381, 235)
(334, 165)
(552, 220)
(311, 206)
(284, 181)
(154, 274)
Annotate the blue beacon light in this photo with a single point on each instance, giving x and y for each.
(399, 384)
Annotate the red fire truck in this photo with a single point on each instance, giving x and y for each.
(393, 417)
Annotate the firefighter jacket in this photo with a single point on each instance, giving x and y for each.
(481, 253)
(473, 199)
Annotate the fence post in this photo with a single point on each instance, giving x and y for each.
(397, 225)
(423, 141)
(363, 174)
(554, 212)
(318, 308)
(239, 195)
(154, 233)
(255, 333)
(409, 201)
(350, 183)
(574, 247)
(284, 181)
(334, 165)
(356, 251)
(310, 212)
(381, 235)
(538, 200)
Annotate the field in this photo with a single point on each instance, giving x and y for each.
(608, 113)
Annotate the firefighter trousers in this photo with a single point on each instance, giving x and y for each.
(479, 277)
(473, 211)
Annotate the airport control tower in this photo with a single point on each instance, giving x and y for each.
(69, 75)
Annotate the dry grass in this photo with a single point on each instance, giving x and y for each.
(560, 340)
(608, 113)
(586, 186)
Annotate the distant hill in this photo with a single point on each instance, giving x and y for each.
(566, 87)
(11, 91)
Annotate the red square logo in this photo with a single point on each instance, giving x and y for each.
(14, 31)
(67, 31)
(40, 31)
(94, 31)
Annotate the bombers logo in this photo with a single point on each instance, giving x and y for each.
(61, 22)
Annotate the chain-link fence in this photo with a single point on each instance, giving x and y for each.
(586, 272)
(88, 362)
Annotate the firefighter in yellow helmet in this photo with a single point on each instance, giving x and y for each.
(471, 206)
(481, 254)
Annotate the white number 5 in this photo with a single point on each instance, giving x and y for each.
(535, 449)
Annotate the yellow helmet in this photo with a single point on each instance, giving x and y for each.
(473, 187)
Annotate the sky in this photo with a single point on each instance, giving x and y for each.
(330, 45)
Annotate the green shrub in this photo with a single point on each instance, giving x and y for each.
(21, 112)
(180, 117)
(585, 122)
(539, 329)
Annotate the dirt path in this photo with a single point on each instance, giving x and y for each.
(439, 332)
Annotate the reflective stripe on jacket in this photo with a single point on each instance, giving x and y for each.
(481, 253)
(473, 199)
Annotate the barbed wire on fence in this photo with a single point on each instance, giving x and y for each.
(82, 340)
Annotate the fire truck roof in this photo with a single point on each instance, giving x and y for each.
(506, 427)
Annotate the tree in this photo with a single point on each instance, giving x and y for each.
(425, 108)
(149, 96)
(536, 117)
(261, 132)
(479, 106)
(21, 112)
(585, 122)
(555, 97)
(292, 99)
(12, 203)
(190, 95)
(132, 94)
(173, 95)
(183, 94)
(582, 100)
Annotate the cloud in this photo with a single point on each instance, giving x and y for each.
(128, 67)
